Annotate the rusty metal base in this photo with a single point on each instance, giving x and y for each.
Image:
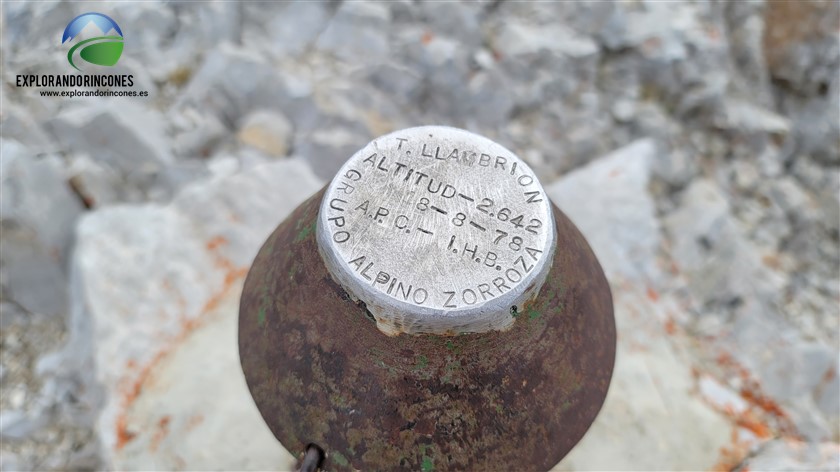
(321, 372)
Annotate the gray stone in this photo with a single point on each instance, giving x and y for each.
(29, 274)
(621, 223)
(17, 425)
(676, 167)
(791, 199)
(97, 184)
(231, 82)
(519, 39)
(707, 247)
(266, 130)
(747, 117)
(197, 134)
(35, 195)
(125, 136)
(357, 33)
(297, 26)
(176, 263)
(782, 454)
(19, 125)
(651, 398)
(457, 20)
(328, 148)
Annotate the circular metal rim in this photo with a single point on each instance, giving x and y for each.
(394, 316)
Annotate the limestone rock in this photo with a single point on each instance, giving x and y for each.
(620, 224)
(267, 131)
(144, 279)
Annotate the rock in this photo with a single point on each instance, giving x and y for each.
(174, 422)
(30, 275)
(800, 43)
(744, 23)
(652, 380)
(788, 454)
(658, 29)
(518, 39)
(709, 251)
(620, 224)
(328, 148)
(791, 199)
(453, 20)
(198, 134)
(19, 125)
(17, 425)
(676, 167)
(268, 131)
(122, 135)
(97, 184)
(35, 195)
(746, 117)
(297, 26)
(405, 85)
(802, 51)
(231, 82)
(179, 266)
(357, 33)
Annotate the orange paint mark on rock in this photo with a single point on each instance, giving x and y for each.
(731, 456)
(124, 435)
(752, 394)
(230, 278)
(427, 37)
(188, 325)
(670, 326)
(750, 422)
(161, 432)
(192, 422)
(215, 242)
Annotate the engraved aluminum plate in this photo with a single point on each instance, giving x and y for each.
(437, 230)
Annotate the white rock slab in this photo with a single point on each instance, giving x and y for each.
(194, 411)
(153, 295)
(653, 417)
(609, 202)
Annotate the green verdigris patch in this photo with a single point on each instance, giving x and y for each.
(339, 459)
(422, 362)
(304, 232)
(427, 464)
(265, 301)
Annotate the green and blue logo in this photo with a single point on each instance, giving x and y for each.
(103, 50)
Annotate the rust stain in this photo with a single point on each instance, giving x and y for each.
(188, 325)
(161, 432)
(652, 294)
(192, 422)
(231, 277)
(731, 456)
(215, 242)
(124, 435)
(670, 326)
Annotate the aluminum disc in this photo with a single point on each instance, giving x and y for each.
(437, 230)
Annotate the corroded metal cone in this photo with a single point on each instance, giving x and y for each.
(486, 369)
